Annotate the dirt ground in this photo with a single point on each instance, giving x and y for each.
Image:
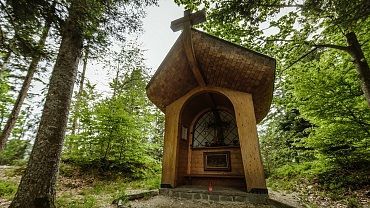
(169, 202)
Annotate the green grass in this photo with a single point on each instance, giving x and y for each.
(148, 183)
(101, 193)
(7, 189)
(98, 194)
(353, 203)
(82, 189)
(72, 201)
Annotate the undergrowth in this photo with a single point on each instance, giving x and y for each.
(94, 189)
(317, 180)
(7, 189)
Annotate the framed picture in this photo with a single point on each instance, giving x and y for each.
(217, 161)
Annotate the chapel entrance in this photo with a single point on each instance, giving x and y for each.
(209, 145)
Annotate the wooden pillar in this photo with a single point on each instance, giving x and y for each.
(249, 144)
(170, 147)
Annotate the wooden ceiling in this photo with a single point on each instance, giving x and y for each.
(221, 64)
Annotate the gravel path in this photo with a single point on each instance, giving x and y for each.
(169, 202)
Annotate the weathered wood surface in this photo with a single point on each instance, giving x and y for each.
(186, 23)
(188, 19)
(221, 63)
(193, 63)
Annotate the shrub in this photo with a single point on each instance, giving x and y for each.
(353, 203)
(14, 151)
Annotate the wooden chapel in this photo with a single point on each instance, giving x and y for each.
(213, 94)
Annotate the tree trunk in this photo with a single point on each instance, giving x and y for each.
(361, 64)
(115, 82)
(5, 134)
(37, 186)
(24, 126)
(80, 90)
(3, 66)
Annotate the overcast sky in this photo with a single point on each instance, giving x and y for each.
(158, 36)
(156, 40)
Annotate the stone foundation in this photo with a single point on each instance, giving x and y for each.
(194, 193)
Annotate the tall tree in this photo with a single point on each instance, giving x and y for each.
(25, 87)
(80, 90)
(36, 188)
(84, 19)
(17, 29)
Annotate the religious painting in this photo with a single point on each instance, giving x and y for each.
(217, 161)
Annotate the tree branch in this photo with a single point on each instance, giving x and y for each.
(338, 47)
(280, 5)
(315, 47)
(302, 57)
(281, 40)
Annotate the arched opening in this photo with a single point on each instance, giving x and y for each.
(209, 149)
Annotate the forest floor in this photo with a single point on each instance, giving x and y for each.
(85, 191)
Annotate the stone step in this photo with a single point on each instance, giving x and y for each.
(217, 195)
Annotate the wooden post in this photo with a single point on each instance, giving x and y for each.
(249, 145)
(171, 143)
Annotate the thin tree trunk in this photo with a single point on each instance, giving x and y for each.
(116, 82)
(2, 118)
(80, 90)
(37, 186)
(361, 64)
(3, 66)
(6, 58)
(5, 134)
(24, 126)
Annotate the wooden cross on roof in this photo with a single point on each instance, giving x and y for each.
(185, 23)
(188, 20)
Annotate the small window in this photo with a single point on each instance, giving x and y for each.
(215, 128)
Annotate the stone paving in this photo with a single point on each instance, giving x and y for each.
(218, 194)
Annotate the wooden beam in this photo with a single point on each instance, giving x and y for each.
(193, 19)
(193, 64)
(185, 23)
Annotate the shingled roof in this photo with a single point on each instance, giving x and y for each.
(222, 64)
